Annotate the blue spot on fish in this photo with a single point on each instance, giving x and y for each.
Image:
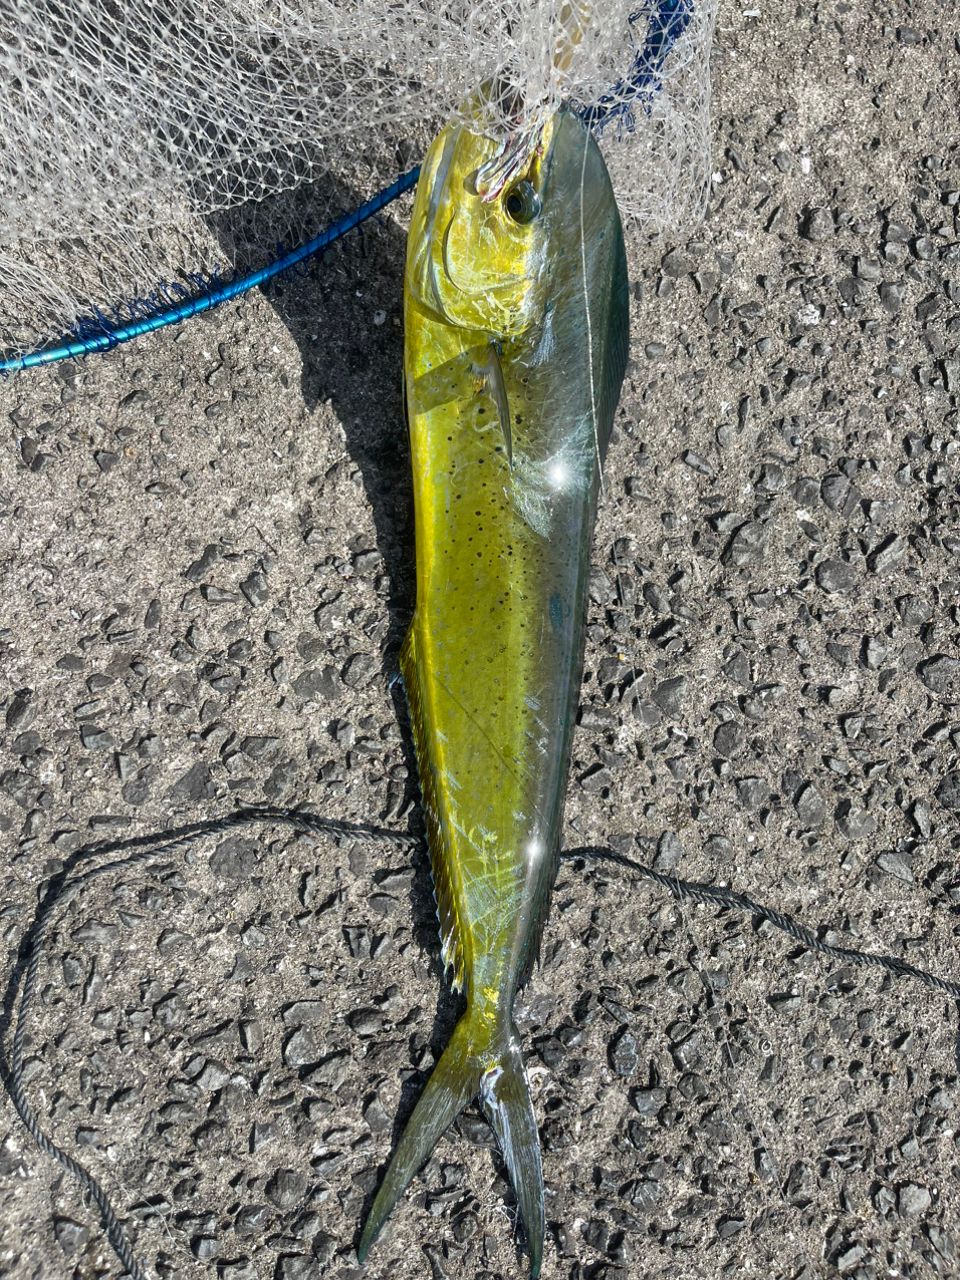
(556, 612)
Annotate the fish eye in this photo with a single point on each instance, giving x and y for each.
(522, 202)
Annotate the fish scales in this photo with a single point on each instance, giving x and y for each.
(497, 632)
(515, 347)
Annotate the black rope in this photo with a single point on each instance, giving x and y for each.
(717, 895)
(65, 886)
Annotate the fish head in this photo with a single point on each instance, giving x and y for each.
(482, 231)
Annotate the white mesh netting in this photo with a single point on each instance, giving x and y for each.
(129, 129)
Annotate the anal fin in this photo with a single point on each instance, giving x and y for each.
(450, 950)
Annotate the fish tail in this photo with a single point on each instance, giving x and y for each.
(506, 1101)
(485, 1060)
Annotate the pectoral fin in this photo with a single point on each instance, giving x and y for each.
(451, 382)
(497, 389)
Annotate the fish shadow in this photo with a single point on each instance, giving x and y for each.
(343, 311)
(331, 311)
(342, 307)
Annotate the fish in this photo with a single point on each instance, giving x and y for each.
(516, 331)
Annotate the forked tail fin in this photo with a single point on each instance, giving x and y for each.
(505, 1096)
(474, 1062)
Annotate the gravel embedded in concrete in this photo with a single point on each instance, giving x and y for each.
(205, 587)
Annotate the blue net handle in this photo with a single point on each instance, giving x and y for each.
(108, 337)
(667, 23)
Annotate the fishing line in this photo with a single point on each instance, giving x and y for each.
(64, 888)
(720, 896)
(138, 851)
(758, 1136)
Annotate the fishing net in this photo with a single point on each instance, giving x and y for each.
(134, 133)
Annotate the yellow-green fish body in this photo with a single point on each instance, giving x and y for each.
(515, 345)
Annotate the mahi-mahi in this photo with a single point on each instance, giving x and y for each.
(516, 333)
